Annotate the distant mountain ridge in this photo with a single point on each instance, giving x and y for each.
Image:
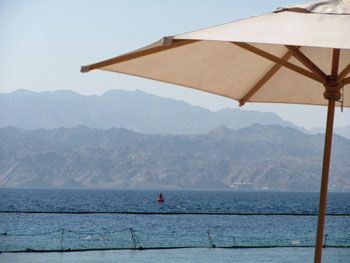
(259, 157)
(342, 131)
(133, 110)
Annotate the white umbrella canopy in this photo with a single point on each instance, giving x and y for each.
(221, 59)
(298, 54)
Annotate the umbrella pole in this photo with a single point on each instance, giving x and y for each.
(324, 181)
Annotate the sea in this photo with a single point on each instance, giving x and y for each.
(38, 225)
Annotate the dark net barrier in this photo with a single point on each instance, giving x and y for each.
(34, 231)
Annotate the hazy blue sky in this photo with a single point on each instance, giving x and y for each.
(43, 43)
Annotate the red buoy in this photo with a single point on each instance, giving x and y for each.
(160, 198)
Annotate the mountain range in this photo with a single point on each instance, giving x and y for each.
(134, 140)
(133, 110)
(258, 157)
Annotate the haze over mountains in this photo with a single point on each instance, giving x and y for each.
(134, 140)
(136, 111)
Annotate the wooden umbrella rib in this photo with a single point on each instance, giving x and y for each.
(264, 79)
(307, 62)
(141, 53)
(278, 60)
(344, 72)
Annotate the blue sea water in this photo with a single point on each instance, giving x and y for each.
(84, 231)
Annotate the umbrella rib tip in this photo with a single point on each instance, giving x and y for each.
(167, 41)
(84, 69)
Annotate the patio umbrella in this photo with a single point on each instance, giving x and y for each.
(297, 54)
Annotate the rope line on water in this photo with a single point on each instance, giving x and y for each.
(94, 233)
(64, 230)
(166, 213)
(29, 235)
(161, 248)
